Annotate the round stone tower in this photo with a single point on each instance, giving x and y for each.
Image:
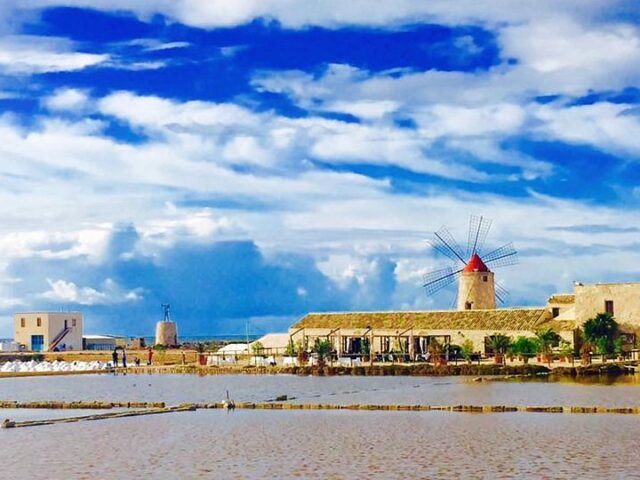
(167, 334)
(166, 330)
(476, 289)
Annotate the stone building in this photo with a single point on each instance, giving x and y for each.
(48, 331)
(411, 332)
(622, 300)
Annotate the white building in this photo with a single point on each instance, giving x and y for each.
(48, 331)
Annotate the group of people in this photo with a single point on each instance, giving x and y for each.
(115, 357)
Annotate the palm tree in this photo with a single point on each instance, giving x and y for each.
(601, 331)
(547, 339)
(322, 348)
(499, 344)
(524, 347)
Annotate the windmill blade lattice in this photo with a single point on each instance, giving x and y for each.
(438, 279)
(443, 242)
(501, 293)
(479, 227)
(503, 256)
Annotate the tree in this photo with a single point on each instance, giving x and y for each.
(322, 348)
(547, 339)
(290, 351)
(467, 349)
(525, 348)
(602, 330)
(435, 351)
(256, 348)
(499, 343)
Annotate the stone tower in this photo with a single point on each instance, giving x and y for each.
(476, 288)
(166, 330)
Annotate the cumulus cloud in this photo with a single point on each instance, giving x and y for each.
(216, 198)
(65, 292)
(68, 99)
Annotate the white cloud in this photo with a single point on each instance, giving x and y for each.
(334, 13)
(364, 109)
(457, 121)
(22, 54)
(608, 126)
(68, 99)
(562, 44)
(62, 291)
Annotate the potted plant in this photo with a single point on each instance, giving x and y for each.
(566, 351)
(322, 348)
(524, 348)
(435, 353)
(585, 353)
(365, 350)
(200, 348)
(466, 349)
(547, 338)
(499, 344)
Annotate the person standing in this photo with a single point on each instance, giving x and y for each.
(184, 357)
(150, 356)
(124, 358)
(114, 357)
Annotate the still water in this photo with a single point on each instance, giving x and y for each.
(325, 444)
(174, 389)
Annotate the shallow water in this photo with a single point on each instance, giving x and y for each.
(173, 389)
(329, 444)
(324, 444)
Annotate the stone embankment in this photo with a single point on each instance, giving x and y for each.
(79, 405)
(394, 370)
(421, 369)
(159, 408)
(101, 416)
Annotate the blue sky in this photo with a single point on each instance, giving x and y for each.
(258, 160)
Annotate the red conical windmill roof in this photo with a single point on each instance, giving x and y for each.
(476, 264)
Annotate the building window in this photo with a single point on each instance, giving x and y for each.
(555, 311)
(73, 322)
(485, 278)
(23, 322)
(467, 305)
(38, 322)
(608, 306)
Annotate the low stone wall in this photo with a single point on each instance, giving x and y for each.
(188, 407)
(79, 405)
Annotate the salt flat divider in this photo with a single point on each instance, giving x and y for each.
(152, 408)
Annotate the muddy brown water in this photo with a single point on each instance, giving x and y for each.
(326, 444)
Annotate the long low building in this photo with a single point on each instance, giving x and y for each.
(411, 332)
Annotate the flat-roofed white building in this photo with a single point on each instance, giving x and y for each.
(101, 342)
(48, 331)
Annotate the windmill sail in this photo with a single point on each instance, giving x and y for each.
(438, 279)
(501, 257)
(443, 242)
(501, 293)
(479, 227)
(472, 262)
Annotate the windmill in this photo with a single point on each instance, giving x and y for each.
(476, 288)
